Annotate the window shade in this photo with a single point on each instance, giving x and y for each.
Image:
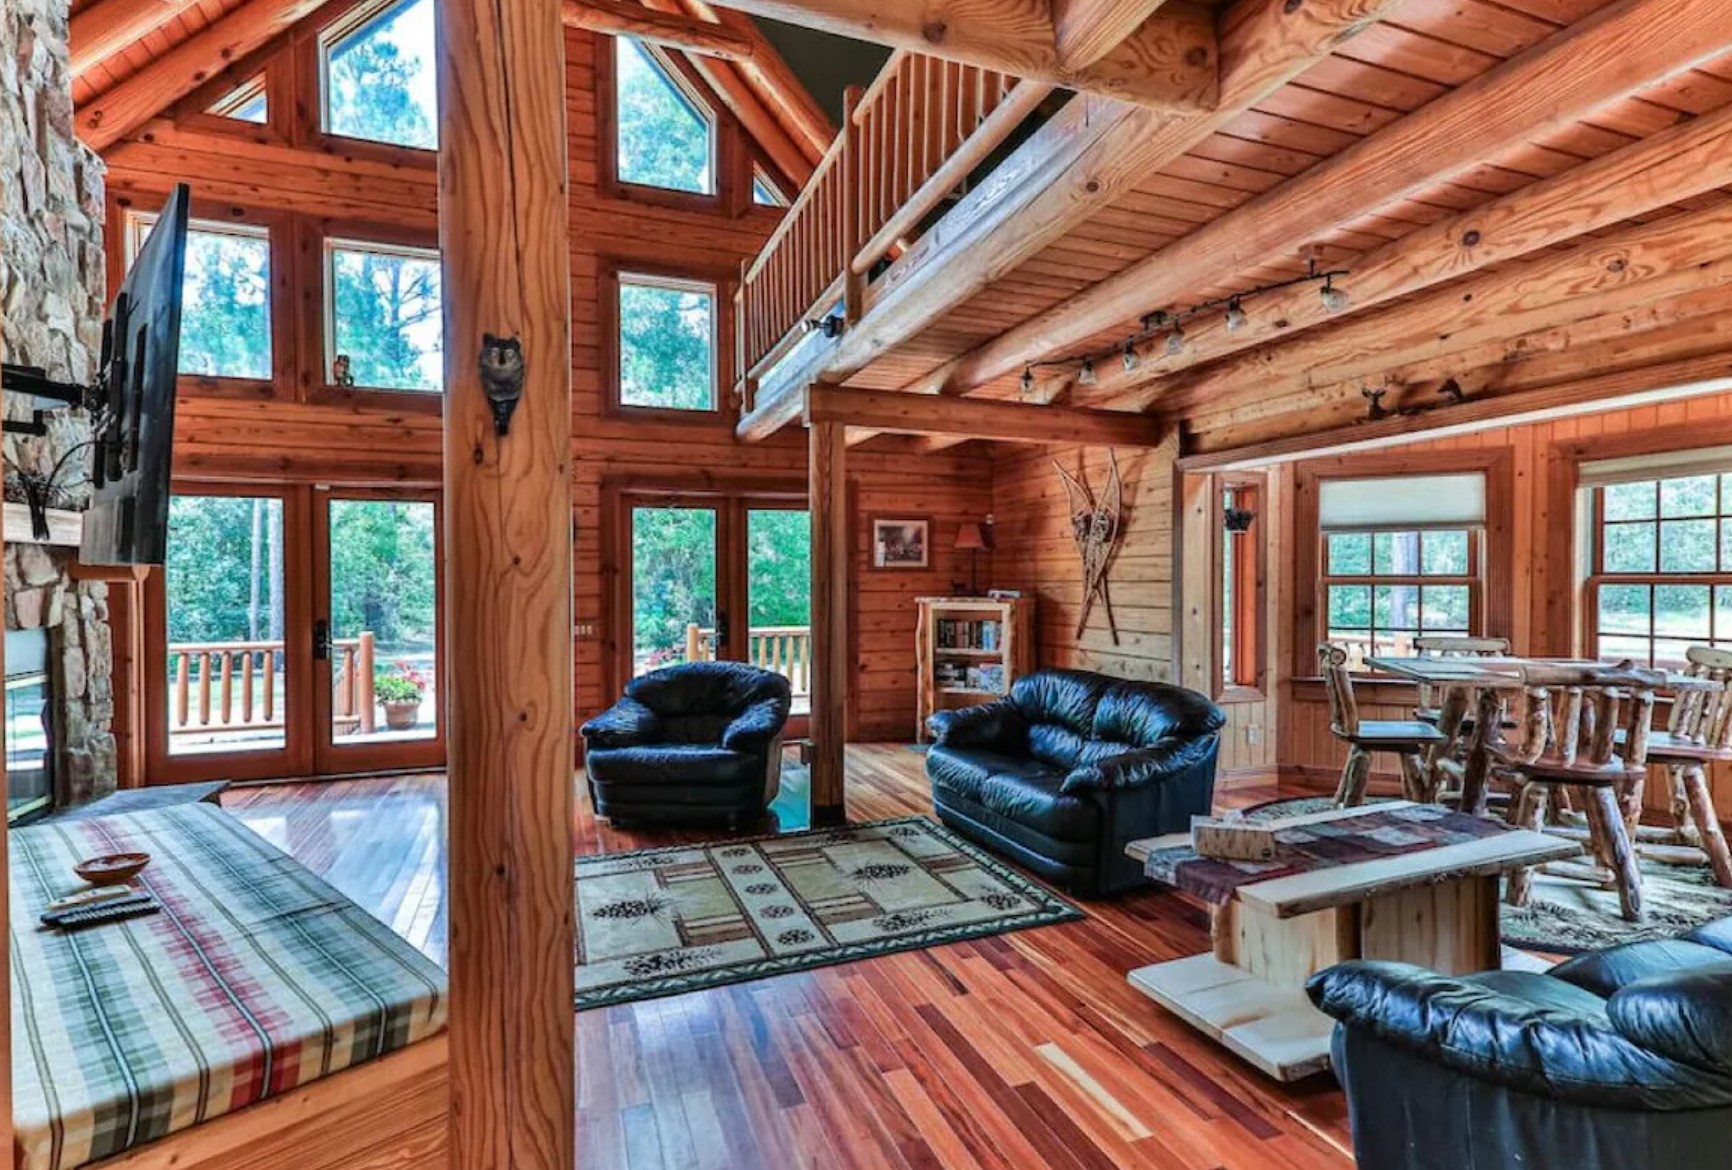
(1405, 501)
(1661, 465)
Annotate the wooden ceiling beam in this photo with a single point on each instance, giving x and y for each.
(1167, 62)
(774, 82)
(1008, 422)
(117, 112)
(101, 30)
(1084, 31)
(1609, 55)
(671, 30)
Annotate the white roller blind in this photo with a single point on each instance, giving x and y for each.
(1403, 501)
(1662, 465)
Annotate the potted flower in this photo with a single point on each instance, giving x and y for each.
(399, 691)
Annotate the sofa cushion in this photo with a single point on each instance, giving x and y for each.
(1685, 1014)
(1716, 934)
(1030, 794)
(964, 770)
(1063, 697)
(674, 764)
(1606, 972)
(1139, 714)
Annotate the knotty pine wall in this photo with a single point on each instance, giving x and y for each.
(288, 432)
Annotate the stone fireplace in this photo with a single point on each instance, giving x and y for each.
(53, 288)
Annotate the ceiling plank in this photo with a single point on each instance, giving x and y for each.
(1009, 422)
(671, 30)
(1087, 30)
(117, 112)
(1167, 62)
(1609, 55)
(108, 26)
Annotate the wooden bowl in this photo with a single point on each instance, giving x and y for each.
(112, 869)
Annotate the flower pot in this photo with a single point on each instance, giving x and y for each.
(402, 714)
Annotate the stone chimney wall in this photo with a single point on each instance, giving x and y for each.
(53, 280)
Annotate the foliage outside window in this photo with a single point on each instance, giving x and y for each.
(225, 320)
(384, 314)
(1382, 588)
(379, 78)
(1662, 568)
(245, 104)
(665, 138)
(673, 581)
(666, 343)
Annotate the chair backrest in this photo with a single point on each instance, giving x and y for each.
(1338, 682)
(1454, 646)
(1574, 714)
(1704, 717)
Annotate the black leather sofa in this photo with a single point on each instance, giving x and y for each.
(1069, 767)
(1618, 1058)
(696, 743)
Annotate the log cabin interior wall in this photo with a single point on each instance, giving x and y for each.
(296, 429)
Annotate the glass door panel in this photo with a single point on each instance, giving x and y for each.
(383, 624)
(674, 612)
(779, 597)
(227, 666)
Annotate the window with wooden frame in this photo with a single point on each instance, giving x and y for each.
(1240, 600)
(665, 134)
(1660, 565)
(662, 347)
(384, 325)
(1400, 557)
(225, 324)
(377, 75)
(765, 190)
(245, 103)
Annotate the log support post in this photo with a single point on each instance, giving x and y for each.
(828, 498)
(505, 254)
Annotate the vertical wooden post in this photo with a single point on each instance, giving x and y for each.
(507, 507)
(853, 199)
(828, 499)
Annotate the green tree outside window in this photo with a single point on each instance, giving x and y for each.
(379, 80)
(664, 139)
(386, 317)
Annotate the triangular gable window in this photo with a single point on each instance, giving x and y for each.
(764, 192)
(246, 103)
(379, 77)
(667, 138)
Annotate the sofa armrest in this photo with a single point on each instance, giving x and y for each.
(757, 726)
(996, 726)
(1140, 767)
(628, 723)
(1520, 1030)
(1686, 1014)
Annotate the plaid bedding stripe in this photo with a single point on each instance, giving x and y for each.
(255, 979)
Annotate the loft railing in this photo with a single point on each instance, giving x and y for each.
(906, 143)
(231, 687)
(787, 650)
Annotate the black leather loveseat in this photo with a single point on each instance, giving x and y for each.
(1619, 1058)
(698, 742)
(1063, 772)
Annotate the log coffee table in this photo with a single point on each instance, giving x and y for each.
(1394, 880)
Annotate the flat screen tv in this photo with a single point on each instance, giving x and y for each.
(132, 406)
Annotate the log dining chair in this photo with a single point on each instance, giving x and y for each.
(1407, 739)
(1585, 733)
(1450, 709)
(1430, 709)
(1698, 733)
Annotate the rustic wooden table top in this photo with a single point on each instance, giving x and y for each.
(1503, 673)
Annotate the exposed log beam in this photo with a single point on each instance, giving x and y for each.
(672, 30)
(1010, 422)
(1670, 167)
(771, 78)
(1084, 31)
(1618, 50)
(503, 234)
(108, 26)
(1166, 62)
(116, 113)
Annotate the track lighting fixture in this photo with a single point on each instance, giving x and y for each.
(1130, 356)
(1175, 342)
(1086, 376)
(1236, 319)
(1334, 300)
(1027, 381)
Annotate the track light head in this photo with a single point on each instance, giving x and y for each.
(1130, 355)
(1086, 375)
(1236, 319)
(1175, 342)
(1334, 299)
(1027, 381)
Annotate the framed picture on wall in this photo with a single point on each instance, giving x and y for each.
(901, 542)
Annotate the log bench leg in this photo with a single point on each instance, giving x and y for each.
(1355, 774)
(1413, 783)
(1528, 811)
(1618, 852)
(1707, 823)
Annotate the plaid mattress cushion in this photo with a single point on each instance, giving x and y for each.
(256, 978)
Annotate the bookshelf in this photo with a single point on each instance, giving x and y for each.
(968, 650)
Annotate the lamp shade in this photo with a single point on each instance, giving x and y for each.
(969, 537)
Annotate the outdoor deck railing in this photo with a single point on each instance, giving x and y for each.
(787, 650)
(232, 686)
(906, 143)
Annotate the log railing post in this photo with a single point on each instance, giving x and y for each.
(853, 283)
(505, 266)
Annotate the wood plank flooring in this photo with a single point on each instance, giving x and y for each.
(1017, 1051)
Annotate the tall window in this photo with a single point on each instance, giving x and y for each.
(379, 81)
(665, 136)
(1401, 556)
(383, 312)
(666, 343)
(1661, 568)
(225, 320)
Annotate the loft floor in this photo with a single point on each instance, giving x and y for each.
(1017, 1051)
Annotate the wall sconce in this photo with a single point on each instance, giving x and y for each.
(1236, 519)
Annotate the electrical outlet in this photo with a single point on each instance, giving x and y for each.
(1254, 734)
(586, 630)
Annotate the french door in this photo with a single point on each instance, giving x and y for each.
(709, 575)
(294, 632)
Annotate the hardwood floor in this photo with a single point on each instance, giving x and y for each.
(1017, 1051)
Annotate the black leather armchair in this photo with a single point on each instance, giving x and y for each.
(1070, 767)
(1622, 1057)
(698, 742)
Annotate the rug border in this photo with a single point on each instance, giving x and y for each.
(1059, 909)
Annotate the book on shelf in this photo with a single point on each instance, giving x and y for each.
(958, 634)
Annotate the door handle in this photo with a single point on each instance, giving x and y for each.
(322, 640)
(721, 629)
